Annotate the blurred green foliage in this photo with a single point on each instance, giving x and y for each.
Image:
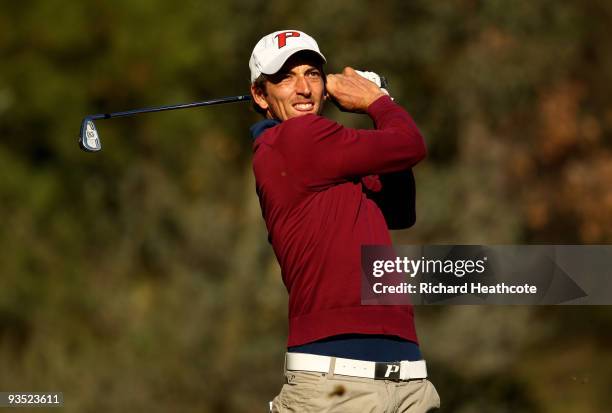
(140, 278)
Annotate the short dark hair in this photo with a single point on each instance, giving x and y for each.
(260, 84)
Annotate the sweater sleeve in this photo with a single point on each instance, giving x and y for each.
(327, 153)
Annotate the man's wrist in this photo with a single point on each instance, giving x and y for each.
(375, 98)
(379, 104)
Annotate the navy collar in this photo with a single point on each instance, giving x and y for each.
(258, 128)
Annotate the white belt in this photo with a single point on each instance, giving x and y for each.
(400, 370)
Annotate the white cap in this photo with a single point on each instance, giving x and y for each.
(273, 50)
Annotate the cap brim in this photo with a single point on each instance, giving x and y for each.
(275, 65)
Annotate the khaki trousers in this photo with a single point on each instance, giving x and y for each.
(307, 392)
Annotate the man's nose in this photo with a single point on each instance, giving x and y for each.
(302, 87)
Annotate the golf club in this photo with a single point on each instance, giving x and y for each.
(89, 140)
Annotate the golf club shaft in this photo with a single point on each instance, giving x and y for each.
(229, 99)
(89, 140)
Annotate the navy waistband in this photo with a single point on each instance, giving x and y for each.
(362, 347)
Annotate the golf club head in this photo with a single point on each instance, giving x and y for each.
(88, 138)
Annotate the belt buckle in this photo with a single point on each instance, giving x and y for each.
(387, 371)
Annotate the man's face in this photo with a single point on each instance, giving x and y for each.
(295, 90)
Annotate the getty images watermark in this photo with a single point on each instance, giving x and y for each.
(477, 274)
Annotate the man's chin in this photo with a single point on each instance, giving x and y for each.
(297, 113)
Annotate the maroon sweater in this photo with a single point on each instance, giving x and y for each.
(313, 177)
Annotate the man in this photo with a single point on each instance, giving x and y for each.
(326, 190)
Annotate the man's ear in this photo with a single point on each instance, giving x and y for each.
(259, 96)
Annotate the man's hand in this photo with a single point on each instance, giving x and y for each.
(352, 92)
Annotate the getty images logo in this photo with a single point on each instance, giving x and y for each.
(388, 371)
